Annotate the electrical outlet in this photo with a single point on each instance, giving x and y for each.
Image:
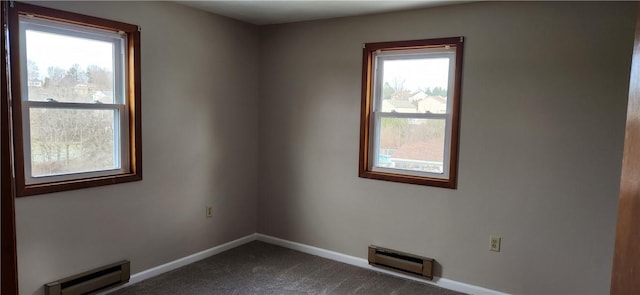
(494, 243)
(209, 211)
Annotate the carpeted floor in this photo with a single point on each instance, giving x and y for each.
(261, 268)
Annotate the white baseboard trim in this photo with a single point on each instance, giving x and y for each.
(169, 266)
(352, 260)
(361, 262)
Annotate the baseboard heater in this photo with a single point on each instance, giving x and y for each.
(91, 281)
(401, 262)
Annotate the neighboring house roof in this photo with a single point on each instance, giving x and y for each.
(404, 104)
(398, 106)
(433, 104)
(418, 96)
(431, 150)
(438, 98)
(102, 94)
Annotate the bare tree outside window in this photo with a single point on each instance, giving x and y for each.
(70, 140)
(76, 113)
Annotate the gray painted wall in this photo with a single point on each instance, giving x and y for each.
(543, 108)
(199, 129)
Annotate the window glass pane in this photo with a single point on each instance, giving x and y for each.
(67, 141)
(415, 85)
(69, 69)
(412, 144)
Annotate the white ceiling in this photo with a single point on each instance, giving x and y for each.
(264, 12)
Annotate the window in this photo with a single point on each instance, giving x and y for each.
(410, 111)
(75, 94)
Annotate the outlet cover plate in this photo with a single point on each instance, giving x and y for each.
(494, 243)
(209, 211)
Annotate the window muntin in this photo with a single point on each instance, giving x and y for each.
(410, 111)
(75, 89)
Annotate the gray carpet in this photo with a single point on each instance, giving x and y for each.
(261, 268)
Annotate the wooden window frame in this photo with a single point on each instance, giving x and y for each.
(132, 90)
(366, 119)
(9, 265)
